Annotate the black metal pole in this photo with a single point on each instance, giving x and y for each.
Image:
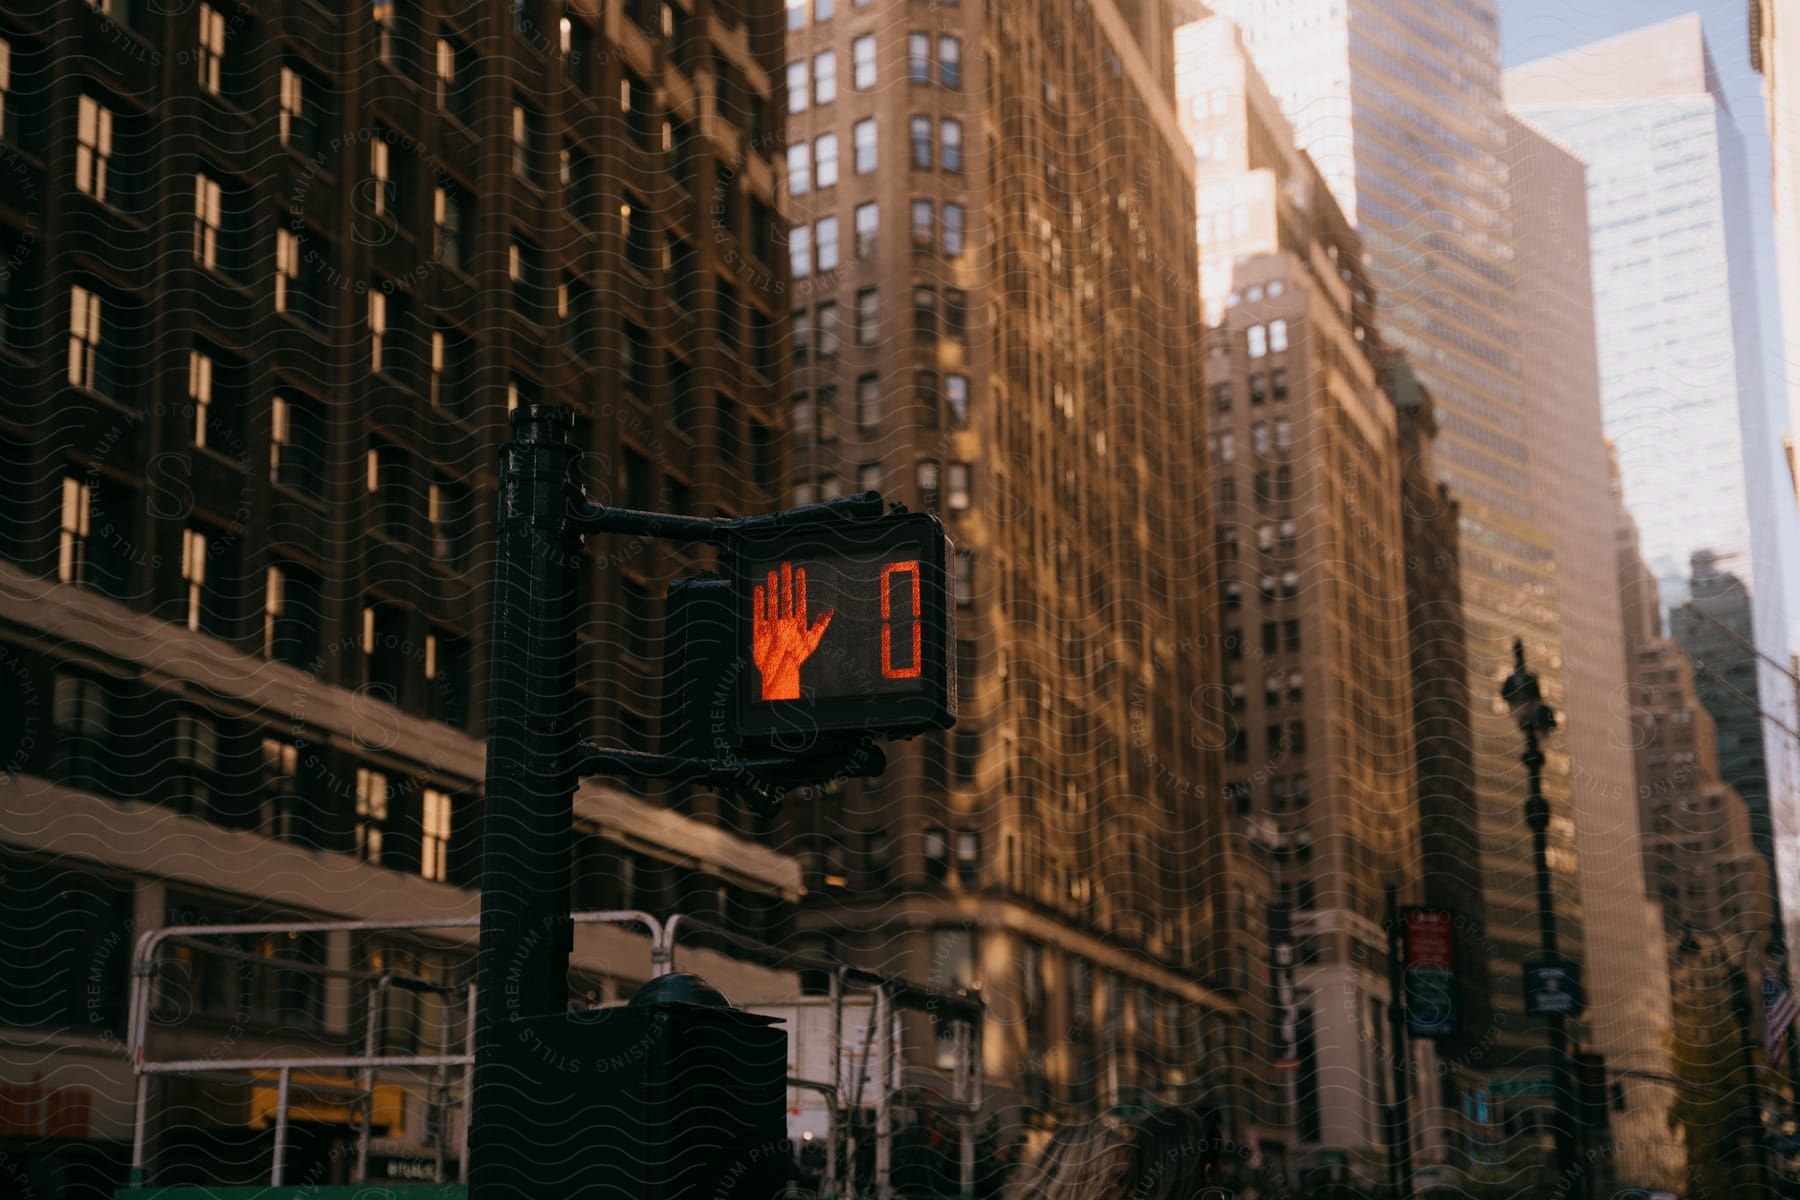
(526, 934)
(1537, 815)
(1399, 1119)
(1749, 1132)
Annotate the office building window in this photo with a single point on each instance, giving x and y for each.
(383, 197)
(868, 402)
(292, 614)
(799, 161)
(953, 230)
(920, 132)
(372, 799)
(301, 287)
(824, 78)
(825, 160)
(298, 123)
(925, 388)
(205, 594)
(800, 251)
(950, 62)
(950, 145)
(868, 228)
(434, 835)
(956, 397)
(83, 719)
(450, 512)
(450, 217)
(11, 117)
(956, 315)
(825, 243)
(864, 135)
(918, 57)
(521, 141)
(924, 221)
(797, 93)
(801, 339)
(296, 450)
(968, 848)
(868, 316)
(956, 487)
(1278, 335)
(928, 484)
(211, 56)
(72, 542)
(452, 380)
(213, 425)
(862, 57)
(278, 815)
(207, 204)
(194, 751)
(93, 147)
(90, 363)
(925, 313)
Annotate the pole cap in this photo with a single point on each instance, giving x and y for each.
(680, 988)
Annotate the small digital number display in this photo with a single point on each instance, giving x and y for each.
(845, 628)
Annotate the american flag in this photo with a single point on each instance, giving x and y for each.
(1779, 1010)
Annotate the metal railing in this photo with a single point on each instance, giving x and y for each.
(889, 995)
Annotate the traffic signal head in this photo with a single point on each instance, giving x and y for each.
(843, 627)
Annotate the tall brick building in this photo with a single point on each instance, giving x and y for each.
(997, 319)
(1320, 770)
(273, 278)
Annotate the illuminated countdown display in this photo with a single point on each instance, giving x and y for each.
(844, 627)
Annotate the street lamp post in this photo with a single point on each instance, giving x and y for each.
(1536, 718)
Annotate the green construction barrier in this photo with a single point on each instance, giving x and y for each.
(355, 1191)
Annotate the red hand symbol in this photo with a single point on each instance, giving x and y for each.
(783, 639)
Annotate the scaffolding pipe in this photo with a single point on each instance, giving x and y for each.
(281, 1127)
(965, 1040)
(440, 1094)
(336, 1062)
(662, 948)
(884, 1188)
(837, 1131)
(371, 1024)
(890, 994)
(462, 1158)
(139, 1120)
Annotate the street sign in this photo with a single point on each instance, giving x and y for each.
(843, 627)
(1552, 987)
(1524, 1087)
(1430, 979)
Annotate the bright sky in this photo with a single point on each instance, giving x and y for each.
(1534, 28)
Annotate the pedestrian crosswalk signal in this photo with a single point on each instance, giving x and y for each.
(844, 626)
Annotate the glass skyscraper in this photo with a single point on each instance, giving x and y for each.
(1399, 103)
(1697, 433)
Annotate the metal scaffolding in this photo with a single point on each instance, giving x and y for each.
(434, 1072)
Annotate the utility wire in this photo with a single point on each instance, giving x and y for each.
(1749, 700)
(1784, 668)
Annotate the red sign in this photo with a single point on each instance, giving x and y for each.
(1430, 976)
(1430, 938)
